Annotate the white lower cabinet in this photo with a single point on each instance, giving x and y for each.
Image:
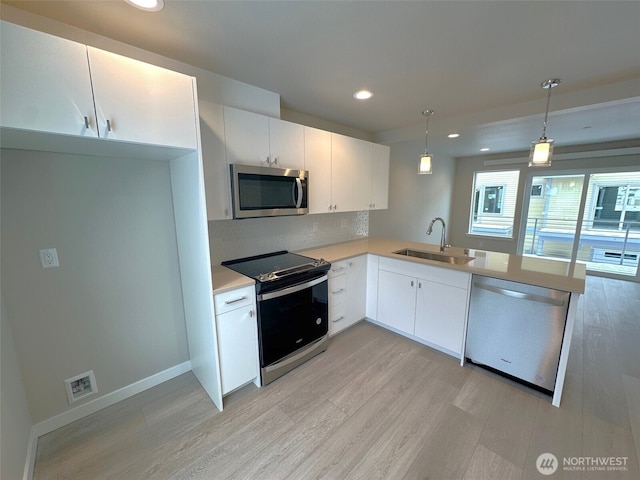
(347, 293)
(237, 338)
(424, 301)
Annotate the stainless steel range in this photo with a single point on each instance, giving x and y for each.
(293, 310)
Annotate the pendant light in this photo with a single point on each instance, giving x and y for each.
(425, 166)
(540, 155)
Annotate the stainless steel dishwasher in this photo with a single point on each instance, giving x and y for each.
(517, 329)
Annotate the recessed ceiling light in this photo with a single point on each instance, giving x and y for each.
(148, 5)
(485, 149)
(453, 135)
(362, 95)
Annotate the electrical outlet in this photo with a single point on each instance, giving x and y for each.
(49, 258)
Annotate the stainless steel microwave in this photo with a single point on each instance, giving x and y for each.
(268, 192)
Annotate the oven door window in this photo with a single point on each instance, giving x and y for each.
(292, 321)
(259, 192)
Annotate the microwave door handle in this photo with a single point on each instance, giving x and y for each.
(298, 202)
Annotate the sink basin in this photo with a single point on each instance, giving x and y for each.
(438, 257)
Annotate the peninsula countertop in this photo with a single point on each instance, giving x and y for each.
(549, 273)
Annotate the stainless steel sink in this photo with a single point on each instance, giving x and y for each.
(438, 257)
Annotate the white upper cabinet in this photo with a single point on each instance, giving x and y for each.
(317, 160)
(286, 144)
(216, 172)
(45, 83)
(53, 85)
(246, 137)
(142, 103)
(254, 139)
(350, 173)
(380, 177)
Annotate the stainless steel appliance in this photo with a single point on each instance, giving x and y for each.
(268, 192)
(517, 329)
(293, 309)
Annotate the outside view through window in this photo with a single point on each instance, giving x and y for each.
(599, 226)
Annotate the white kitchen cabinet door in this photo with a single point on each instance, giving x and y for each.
(45, 83)
(246, 137)
(286, 144)
(317, 160)
(356, 288)
(237, 347)
(350, 173)
(142, 103)
(440, 314)
(380, 177)
(396, 301)
(216, 171)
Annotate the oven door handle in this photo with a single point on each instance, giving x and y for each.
(292, 289)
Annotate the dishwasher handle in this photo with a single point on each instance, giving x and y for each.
(524, 296)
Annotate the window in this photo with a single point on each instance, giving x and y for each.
(493, 203)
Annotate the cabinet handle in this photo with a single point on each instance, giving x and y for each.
(338, 291)
(412, 283)
(419, 284)
(275, 161)
(86, 122)
(251, 313)
(350, 263)
(337, 269)
(341, 317)
(108, 125)
(228, 302)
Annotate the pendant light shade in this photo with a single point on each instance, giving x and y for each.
(541, 150)
(425, 167)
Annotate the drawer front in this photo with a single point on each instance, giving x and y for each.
(337, 289)
(337, 318)
(233, 299)
(338, 268)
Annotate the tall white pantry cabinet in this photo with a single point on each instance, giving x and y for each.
(61, 96)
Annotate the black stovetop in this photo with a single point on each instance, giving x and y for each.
(276, 265)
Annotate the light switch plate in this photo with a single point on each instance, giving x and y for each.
(49, 258)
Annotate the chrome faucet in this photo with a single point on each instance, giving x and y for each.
(443, 242)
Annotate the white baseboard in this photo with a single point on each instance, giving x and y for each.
(92, 406)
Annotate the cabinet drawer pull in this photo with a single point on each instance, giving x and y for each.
(227, 302)
(337, 291)
(86, 122)
(412, 283)
(341, 317)
(108, 125)
(337, 269)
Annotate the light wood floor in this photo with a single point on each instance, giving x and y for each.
(377, 405)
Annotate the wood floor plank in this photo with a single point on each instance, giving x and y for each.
(632, 393)
(487, 465)
(507, 431)
(448, 450)
(392, 453)
(279, 459)
(350, 441)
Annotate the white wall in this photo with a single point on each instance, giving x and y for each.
(414, 200)
(114, 305)
(15, 421)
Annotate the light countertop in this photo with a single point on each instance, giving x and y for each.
(548, 273)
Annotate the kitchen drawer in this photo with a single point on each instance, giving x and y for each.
(338, 268)
(337, 315)
(337, 289)
(233, 299)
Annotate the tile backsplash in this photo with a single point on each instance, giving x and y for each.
(229, 239)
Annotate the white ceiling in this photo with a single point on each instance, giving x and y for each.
(478, 64)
